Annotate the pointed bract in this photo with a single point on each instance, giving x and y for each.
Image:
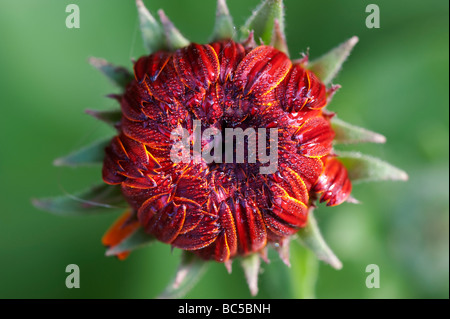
(351, 134)
(116, 74)
(311, 237)
(137, 239)
(264, 254)
(251, 265)
(98, 199)
(174, 39)
(327, 66)
(229, 265)
(279, 39)
(250, 43)
(262, 21)
(151, 30)
(109, 117)
(190, 270)
(223, 28)
(283, 251)
(92, 154)
(364, 168)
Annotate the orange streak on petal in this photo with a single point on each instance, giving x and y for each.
(121, 229)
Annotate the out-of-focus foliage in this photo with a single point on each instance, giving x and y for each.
(395, 82)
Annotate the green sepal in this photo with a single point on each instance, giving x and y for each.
(328, 65)
(251, 265)
(189, 272)
(92, 154)
(364, 168)
(262, 21)
(111, 117)
(137, 239)
(173, 37)
(151, 30)
(97, 199)
(350, 134)
(116, 74)
(311, 238)
(223, 28)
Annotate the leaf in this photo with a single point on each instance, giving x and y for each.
(364, 168)
(151, 30)
(98, 199)
(262, 21)
(311, 238)
(109, 117)
(174, 39)
(137, 239)
(251, 265)
(327, 66)
(116, 74)
(223, 28)
(189, 272)
(350, 134)
(89, 155)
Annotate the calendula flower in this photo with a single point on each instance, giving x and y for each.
(223, 148)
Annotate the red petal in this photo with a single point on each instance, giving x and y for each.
(202, 236)
(250, 227)
(121, 229)
(230, 54)
(308, 168)
(318, 93)
(302, 89)
(150, 133)
(193, 186)
(166, 224)
(315, 137)
(132, 101)
(151, 66)
(167, 87)
(333, 183)
(261, 70)
(197, 66)
(288, 209)
(229, 228)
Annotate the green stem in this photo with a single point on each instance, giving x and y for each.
(304, 271)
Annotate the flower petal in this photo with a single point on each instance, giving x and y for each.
(124, 226)
(315, 137)
(261, 71)
(302, 90)
(333, 183)
(197, 66)
(229, 54)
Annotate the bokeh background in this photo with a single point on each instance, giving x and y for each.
(395, 82)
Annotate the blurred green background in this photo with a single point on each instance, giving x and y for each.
(395, 82)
